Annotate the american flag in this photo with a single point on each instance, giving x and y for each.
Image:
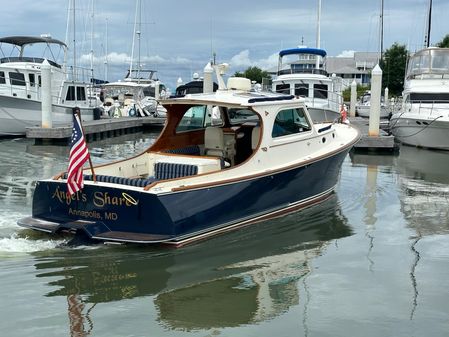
(79, 154)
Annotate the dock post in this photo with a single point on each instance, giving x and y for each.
(353, 98)
(386, 100)
(46, 105)
(208, 83)
(157, 94)
(374, 113)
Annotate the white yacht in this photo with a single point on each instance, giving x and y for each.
(21, 85)
(301, 72)
(424, 117)
(123, 99)
(363, 106)
(261, 158)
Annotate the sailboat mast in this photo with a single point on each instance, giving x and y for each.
(381, 28)
(318, 33)
(138, 41)
(92, 42)
(134, 38)
(74, 41)
(106, 52)
(429, 24)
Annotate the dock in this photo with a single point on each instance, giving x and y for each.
(95, 130)
(383, 142)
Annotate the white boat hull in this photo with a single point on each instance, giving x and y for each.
(16, 114)
(426, 132)
(364, 111)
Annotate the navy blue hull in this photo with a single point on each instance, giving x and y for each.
(120, 214)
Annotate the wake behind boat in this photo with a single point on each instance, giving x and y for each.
(263, 157)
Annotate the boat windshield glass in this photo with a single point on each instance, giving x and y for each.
(199, 117)
(440, 61)
(240, 116)
(290, 121)
(429, 61)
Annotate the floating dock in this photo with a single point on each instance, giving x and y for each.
(383, 142)
(95, 130)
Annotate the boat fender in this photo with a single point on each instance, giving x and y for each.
(344, 114)
(132, 112)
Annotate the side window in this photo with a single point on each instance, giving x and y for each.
(2, 77)
(17, 79)
(283, 88)
(70, 93)
(32, 80)
(302, 89)
(193, 119)
(320, 90)
(81, 93)
(290, 121)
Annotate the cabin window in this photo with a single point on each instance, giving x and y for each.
(283, 88)
(290, 121)
(32, 80)
(39, 80)
(433, 97)
(239, 116)
(440, 61)
(17, 79)
(193, 119)
(81, 93)
(149, 91)
(70, 93)
(2, 77)
(302, 89)
(320, 91)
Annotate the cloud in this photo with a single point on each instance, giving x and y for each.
(242, 60)
(346, 53)
(123, 58)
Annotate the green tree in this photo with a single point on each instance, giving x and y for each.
(254, 74)
(393, 65)
(444, 43)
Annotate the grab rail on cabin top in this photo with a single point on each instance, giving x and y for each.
(428, 107)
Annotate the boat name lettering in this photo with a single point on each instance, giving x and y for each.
(85, 214)
(102, 199)
(64, 198)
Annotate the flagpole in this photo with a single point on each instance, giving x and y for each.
(77, 111)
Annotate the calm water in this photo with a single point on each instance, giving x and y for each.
(373, 260)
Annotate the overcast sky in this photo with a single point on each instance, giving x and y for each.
(179, 37)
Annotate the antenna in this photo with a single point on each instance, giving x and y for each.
(429, 23)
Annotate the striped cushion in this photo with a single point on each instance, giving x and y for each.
(138, 182)
(172, 170)
(193, 150)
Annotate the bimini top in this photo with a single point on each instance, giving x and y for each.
(24, 40)
(313, 51)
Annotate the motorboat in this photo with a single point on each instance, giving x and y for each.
(129, 99)
(262, 157)
(193, 87)
(423, 120)
(363, 106)
(302, 72)
(21, 85)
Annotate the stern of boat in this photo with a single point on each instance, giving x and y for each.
(101, 212)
